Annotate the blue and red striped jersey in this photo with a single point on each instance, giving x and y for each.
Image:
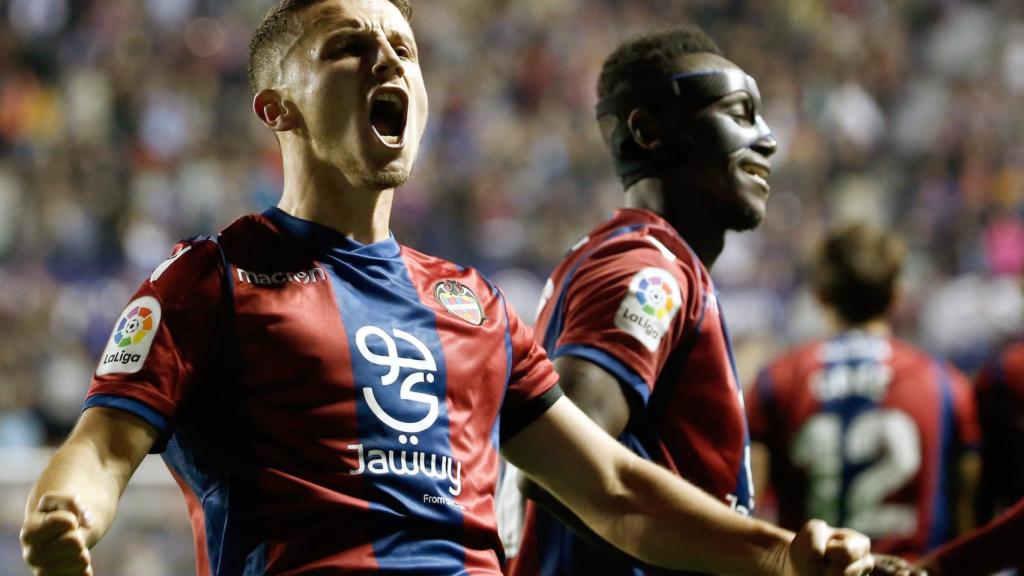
(634, 299)
(327, 407)
(999, 390)
(865, 431)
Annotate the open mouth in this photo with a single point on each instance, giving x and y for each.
(758, 171)
(388, 116)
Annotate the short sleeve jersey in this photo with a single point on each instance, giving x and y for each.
(633, 298)
(1000, 395)
(865, 431)
(327, 407)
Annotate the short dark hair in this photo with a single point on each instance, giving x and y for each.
(280, 23)
(856, 269)
(641, 58)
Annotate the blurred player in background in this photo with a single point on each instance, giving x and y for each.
(862, 428)
(262, 364)
(999, 389)
(630, 315)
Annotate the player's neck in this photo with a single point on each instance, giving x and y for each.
(326, 197)
(875, 327)
(704, 238)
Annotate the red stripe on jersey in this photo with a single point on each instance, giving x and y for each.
(197, 518)
(471, 412)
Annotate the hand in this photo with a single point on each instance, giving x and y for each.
(53, 537)
(886, 565)
(820, 550)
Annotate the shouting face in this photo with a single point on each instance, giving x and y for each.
(352, 77)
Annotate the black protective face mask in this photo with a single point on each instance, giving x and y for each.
(712, 136)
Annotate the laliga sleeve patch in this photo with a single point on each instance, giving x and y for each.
(133, 334)
(650, 305)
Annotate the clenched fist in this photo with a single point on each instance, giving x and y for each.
(821, 550)
(53, 537)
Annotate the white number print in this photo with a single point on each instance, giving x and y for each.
(887, 440)
(425, 367)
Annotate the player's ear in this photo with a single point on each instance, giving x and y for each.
(274, 111)
(645, 128)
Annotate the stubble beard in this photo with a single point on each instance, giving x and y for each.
(374, 179)
(385, 179)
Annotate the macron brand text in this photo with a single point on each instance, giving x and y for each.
(311, 276)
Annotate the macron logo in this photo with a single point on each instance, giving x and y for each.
(311, 276)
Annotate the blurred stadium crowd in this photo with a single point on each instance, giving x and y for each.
(125, 125)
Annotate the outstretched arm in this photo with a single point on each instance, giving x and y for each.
(73, 503)
(995, 546)
(652, 515)
(599, 395)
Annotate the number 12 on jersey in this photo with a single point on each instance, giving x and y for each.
(882, 447)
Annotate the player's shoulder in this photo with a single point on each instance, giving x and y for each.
(1012, 358)
(251, 234)
(1005, 367)
(911, 357)
(649, 242)
(796, 360)
(437, 271)
(190, 261)
(199, 261)
(905, 350)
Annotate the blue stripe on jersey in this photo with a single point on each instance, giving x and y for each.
(135, 407)
(941, 522)
(398, 368)
(496, 429)
(558, 315)
(764, 386)
(848, 408)
(613, 365)
(226, 534)
(744, 483)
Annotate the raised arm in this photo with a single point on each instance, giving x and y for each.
(661, 519)
(73, 503)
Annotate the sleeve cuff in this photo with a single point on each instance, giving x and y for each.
(137, 408)
(512, 423)
(627, 377)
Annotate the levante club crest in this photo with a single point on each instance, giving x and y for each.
(460, 301)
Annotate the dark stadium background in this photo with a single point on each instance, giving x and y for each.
(126, 125)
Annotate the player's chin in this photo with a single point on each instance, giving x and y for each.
(744, 216)
(389, 177)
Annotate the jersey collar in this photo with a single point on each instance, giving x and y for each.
(639, 216)
(328, 240)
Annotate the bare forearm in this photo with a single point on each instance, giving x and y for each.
(94, 466)
(77, 470)
(657, 517)
(665, 522)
